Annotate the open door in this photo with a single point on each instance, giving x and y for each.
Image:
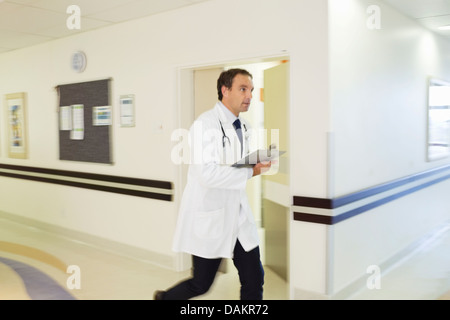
(276, 201)
(205, 89)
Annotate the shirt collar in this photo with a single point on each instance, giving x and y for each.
(228, 114)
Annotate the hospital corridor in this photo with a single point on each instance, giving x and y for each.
(143, 139)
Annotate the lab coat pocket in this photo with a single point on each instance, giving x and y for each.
(209, 225)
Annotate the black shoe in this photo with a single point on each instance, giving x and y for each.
(159, 295)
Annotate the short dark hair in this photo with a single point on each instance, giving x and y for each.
(226, 79)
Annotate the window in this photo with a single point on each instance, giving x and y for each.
(438, 120)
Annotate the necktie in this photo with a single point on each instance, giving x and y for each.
(237, 127)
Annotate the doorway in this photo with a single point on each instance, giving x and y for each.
(269, 119)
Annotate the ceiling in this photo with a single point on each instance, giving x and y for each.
(25, 23)
(430, 13)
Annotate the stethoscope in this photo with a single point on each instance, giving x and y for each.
(225, 137)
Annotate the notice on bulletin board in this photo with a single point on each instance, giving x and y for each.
(101, 116)
(65, 118)
(77, 132)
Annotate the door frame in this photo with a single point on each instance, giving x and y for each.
(185, 117)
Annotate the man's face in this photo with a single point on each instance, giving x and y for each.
(238, 98)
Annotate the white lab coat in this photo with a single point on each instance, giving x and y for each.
(214, 210)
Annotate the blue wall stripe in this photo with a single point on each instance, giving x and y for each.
(345, 200)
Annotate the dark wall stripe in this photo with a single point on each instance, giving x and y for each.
(313, 202)
(314, 218)
(96, 177)
(339, 202)
(93, 176)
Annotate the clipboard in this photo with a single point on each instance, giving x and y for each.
(261, 155)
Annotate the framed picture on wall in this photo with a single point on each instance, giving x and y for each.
(16, 109)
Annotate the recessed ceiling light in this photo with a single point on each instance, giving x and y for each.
(447, 27)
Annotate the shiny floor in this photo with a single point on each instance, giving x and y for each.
(34, 266)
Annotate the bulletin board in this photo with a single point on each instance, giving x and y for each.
(92, 143)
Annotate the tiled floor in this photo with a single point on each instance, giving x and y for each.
(29, 257)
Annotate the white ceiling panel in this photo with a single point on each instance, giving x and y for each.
(138, 9)
(10, 40)
(25, 2)
(8, 9)
(28, 22)
(56, 31)
(87, 7)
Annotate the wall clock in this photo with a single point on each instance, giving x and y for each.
(79, 61)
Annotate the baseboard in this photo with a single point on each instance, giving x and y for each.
(298, 294)
(114, 247)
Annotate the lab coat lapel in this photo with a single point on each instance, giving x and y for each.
(235, 146)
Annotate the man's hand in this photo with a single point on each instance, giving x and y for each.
(261, 167)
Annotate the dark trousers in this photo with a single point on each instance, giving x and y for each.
(248, 264)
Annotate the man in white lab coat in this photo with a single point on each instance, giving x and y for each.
(215, 219)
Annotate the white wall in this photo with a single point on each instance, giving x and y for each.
(158, 47)
(379, 88)
(379, 85)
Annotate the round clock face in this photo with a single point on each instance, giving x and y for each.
(79, 61)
